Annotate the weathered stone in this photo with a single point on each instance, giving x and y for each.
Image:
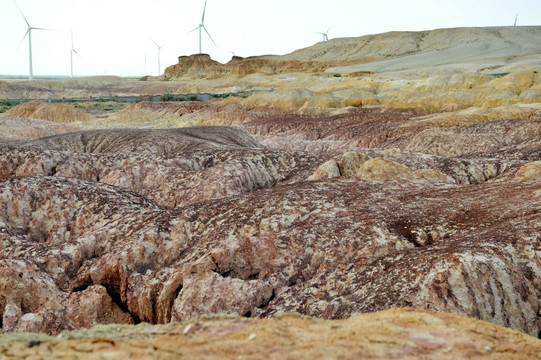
(351, 162)
(529, 172)
(383, 170)
(327, 170)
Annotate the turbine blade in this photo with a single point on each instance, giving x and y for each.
(204, 9)
(75, 51)
(18, 46)
(159, 46)
(209, 35)
(194, 29)
(24, 17)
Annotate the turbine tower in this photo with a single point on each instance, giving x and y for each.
(72, 50)
(516, 17)
(202, 26)
(159, 50)
(29, 33)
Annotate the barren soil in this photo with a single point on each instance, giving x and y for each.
(410, 197)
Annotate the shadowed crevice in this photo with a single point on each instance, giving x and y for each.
(115, 297)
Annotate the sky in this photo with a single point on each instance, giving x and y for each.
(114, 37)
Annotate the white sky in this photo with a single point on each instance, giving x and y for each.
(112, 36)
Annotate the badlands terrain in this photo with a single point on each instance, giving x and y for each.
(364, 197)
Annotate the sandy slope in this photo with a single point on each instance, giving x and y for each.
(466, 48)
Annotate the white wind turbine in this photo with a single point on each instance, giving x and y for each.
(29, 33)
(72, 50)
(516, 17)
(202, 26)
(325, 34)
(159, 50)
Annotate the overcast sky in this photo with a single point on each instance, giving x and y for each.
(113, 36)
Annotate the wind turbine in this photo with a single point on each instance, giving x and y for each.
(202, 26)
(29, 33)
(516, 17)
(159, 50)
(325, 34)
(72, 50)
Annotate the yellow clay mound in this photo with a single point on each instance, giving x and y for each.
(39, 109)
(529, 172)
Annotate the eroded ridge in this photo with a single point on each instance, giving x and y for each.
(325, 248)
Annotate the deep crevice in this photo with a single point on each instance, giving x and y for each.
(248, 314)
(115, 297)
(80, 288)
(177, 291)
(225, 274)
(539, 335)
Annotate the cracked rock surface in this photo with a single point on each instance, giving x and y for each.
(159, 226)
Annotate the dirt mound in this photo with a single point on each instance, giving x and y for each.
(39, 109)
(398, 334)
(23, 129)
(160, 141)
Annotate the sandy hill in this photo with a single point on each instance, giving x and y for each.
(401, 50)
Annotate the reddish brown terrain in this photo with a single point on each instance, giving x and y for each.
(424, 222)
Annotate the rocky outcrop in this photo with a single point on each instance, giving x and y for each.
(198, 66)
(201, 66)
(529, 172)
(397, 334)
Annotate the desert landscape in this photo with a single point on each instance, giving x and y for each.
(368, 197)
